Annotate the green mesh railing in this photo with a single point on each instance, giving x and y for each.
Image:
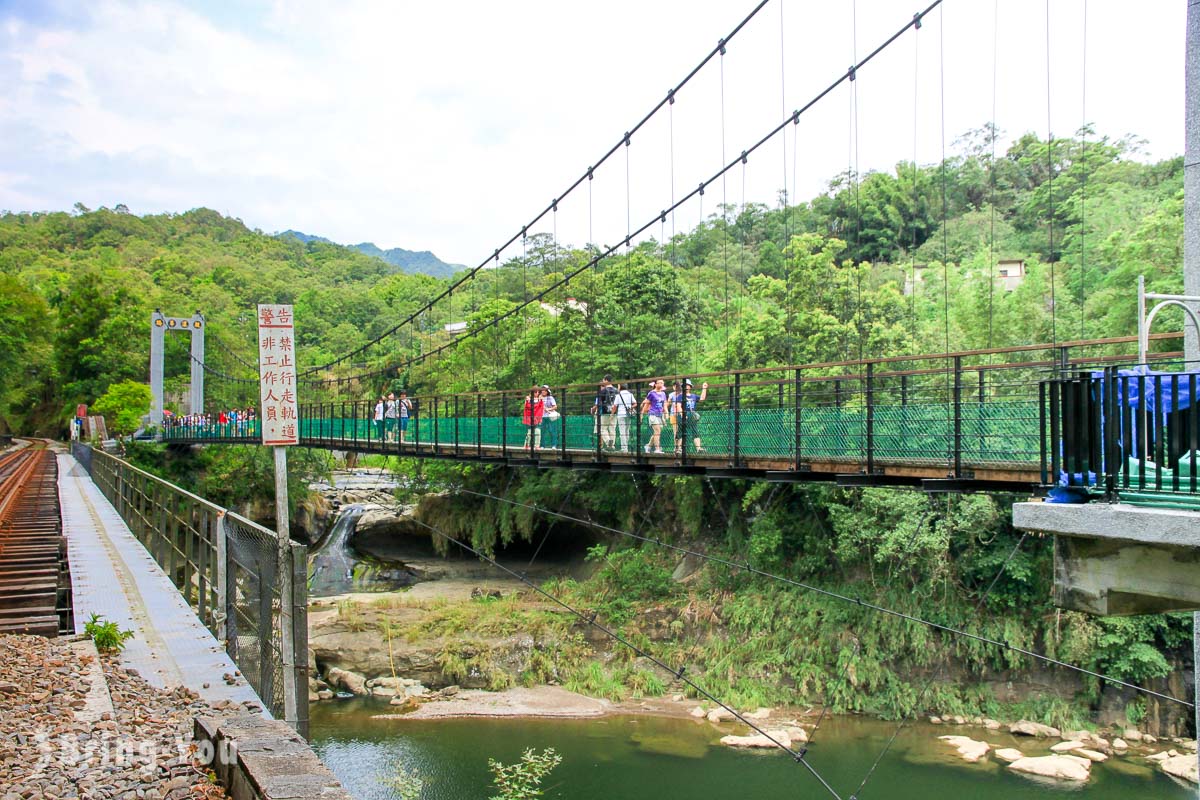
(1002, 432)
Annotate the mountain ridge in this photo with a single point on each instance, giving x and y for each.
(410, 261)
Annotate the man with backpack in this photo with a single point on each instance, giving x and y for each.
(605, 410)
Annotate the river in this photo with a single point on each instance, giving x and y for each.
(620, 757)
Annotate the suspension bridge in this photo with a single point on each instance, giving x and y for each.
(1109, 419)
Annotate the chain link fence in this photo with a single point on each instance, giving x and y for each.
(228, 570)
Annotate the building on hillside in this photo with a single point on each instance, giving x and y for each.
(456, 328)
(914, 276)
(554, 309)
(1010, 273)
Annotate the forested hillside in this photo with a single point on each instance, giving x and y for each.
(814, 281)
(753, 286)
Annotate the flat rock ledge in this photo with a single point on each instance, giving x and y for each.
(1008, 754)
(970, 749)
(787, 736)
(1183, 767)
(1060, 767)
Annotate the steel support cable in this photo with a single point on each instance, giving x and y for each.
(218, 373)
(952, 443)
(587, 175)
(784, 200)
(1050, 190)
(916, 198)
(724, 221)
(854, 601)
(929, 680)
(793, 119)
(1083, 181)
(992, 169)
(617, 637)
(857, 266)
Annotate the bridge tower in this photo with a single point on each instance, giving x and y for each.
(159, 327)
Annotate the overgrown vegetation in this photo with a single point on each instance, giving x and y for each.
(523, 780)
(106, 634)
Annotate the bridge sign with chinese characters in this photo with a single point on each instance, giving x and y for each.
(277, 375)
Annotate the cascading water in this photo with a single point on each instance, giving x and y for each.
(336, 567)
(331, 564)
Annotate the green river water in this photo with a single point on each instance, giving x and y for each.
(679, 759)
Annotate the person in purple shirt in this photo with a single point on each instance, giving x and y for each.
(653, 408)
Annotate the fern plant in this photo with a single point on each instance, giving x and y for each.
(106, 634)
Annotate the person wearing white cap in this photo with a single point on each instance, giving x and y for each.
(685, 402)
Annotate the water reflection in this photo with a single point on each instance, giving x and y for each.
(680, 759)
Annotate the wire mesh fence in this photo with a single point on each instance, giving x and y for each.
(227, 569)
(951, 418)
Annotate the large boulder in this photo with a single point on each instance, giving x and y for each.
(968, 748)
(759, 740)
(349, 681)
(1008, 754)
(1026, 728)
(1066, 747)
(1060, 767)
(720, 714)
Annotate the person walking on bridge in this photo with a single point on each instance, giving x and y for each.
(652, 410)
(404, 410)
(625, 405)
(389, 416)
(604, 409)
(531, 417)
(550, 417)
(684, 403)
(378, 418)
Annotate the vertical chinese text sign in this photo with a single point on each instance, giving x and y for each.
(277, 375)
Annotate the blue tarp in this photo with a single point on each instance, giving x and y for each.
(1158, 393)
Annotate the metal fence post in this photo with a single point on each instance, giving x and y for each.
(221, 531)
(737, 417)
(299, 636)
(870, 417)
(958, 416)
(798, 433)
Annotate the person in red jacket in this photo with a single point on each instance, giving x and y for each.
(531, 417)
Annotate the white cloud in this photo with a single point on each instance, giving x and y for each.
(446, 126)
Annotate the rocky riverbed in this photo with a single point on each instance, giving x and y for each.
(78, 725)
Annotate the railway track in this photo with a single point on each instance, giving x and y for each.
(35, 585)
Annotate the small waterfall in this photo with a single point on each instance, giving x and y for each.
(331, 563)
(335, 567)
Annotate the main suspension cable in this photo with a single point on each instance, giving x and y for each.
(794, 119)
(587, 175)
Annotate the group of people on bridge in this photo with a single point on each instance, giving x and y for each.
(391, 415)
(234, 420)
(614, 408)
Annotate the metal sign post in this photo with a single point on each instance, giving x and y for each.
(278, 420)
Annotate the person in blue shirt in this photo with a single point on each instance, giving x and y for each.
(685, 403)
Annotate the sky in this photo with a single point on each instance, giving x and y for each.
(448, 126)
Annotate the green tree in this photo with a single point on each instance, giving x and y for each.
(123, 405)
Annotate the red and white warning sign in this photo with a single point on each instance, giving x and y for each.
(277, 375)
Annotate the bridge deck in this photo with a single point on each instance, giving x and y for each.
(986, 445)
(114, 576)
